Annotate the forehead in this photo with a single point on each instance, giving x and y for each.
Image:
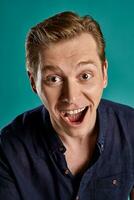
(73, 51)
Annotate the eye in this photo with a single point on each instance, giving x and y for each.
(53, 79)
(85, 76)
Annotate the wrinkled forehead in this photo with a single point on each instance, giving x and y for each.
(74, 51)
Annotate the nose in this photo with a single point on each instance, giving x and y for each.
(70, 92)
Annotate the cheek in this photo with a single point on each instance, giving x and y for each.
(49, 96)
(94, 90)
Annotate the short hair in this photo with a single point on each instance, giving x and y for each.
(60, 27)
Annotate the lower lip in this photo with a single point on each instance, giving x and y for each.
(74, 124)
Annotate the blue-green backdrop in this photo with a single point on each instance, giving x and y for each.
(116, 18)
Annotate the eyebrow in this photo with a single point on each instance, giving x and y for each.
(57, 69)
(86, 63)
(51, 67)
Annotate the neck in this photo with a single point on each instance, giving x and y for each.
(79, 150)
(75, 141)
(77, 136)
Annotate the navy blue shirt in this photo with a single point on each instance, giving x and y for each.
(33, 164)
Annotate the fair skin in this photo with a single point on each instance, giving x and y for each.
(70, 80)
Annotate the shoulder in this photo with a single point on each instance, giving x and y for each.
(118, 116)
(23, 120)
(21, 141)
(116, 108)
(23, 126)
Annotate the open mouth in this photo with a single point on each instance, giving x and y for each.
(75, 116)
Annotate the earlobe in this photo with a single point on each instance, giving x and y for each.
(105, 84)
(32, 81)
(105, 75)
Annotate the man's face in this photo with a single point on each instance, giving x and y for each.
(70, 81)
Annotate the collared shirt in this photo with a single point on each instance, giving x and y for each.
(33, 164)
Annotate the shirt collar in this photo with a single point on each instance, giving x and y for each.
(103, 124)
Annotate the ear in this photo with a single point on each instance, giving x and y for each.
(105, 74)
(32, 81)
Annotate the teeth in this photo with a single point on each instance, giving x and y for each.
(73, 112)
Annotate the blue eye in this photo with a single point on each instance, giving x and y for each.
(85, 76)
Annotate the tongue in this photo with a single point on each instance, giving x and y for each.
(75, 117)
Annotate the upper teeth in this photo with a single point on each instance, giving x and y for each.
(72, 112)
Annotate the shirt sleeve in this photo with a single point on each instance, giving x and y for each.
(8, 189)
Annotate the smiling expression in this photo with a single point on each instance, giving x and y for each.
(70, 80)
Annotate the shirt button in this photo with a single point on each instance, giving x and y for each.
(62, 149)
(77, 198)
(66, 171)
(115, 182)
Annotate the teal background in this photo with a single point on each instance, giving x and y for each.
(116, 18)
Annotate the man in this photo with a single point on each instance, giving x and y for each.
(77, 145)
